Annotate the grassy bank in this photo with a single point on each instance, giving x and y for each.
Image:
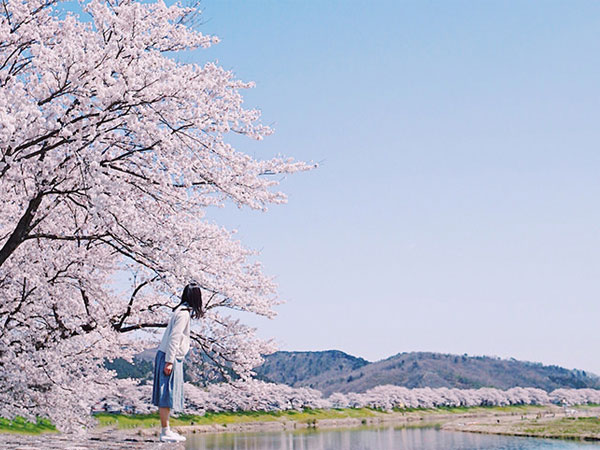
(484, 410)
(126, 421)
(225, 418)
(308, 416)
(565, 428)
(22, 426)
(548, 424)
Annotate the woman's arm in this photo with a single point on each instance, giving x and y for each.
(179, 323)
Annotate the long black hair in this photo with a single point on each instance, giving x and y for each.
(192, 297)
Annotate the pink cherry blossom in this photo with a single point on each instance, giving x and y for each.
(110, 152)
(254, 395)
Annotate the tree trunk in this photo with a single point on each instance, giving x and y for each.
(22, 229)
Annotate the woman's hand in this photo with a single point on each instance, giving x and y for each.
(168, 369)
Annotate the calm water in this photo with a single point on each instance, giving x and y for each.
(386, 438)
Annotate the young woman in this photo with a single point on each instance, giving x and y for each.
(167, 390)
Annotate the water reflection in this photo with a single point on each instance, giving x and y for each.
(384, 438)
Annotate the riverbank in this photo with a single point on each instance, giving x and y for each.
(548, 421)
(261, 420)
(309, 418)
(579, 423)
(141, 431)
(456, 419)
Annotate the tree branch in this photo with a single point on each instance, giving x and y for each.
(20, 232)
(139, 326)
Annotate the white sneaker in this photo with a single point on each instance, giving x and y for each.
(171, 436)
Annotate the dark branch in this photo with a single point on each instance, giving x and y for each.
(139, 326)
(20, 232)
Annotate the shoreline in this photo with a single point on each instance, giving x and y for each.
(548, 421)
(494, 421)
(581, 425)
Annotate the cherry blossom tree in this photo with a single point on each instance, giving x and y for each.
(111, 151)
(575, 396)
(254, 395)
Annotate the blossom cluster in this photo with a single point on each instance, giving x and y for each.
(112, 148)
(388, 397)
(254, 395)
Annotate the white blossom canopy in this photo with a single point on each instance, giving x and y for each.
(110, 152)
(254, 395)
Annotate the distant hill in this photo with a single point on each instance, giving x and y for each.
(335, 371)
(287, 366)
(418, 369)
(139, 369)
(147, 355)
(294, 368)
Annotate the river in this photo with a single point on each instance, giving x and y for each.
(380, 438)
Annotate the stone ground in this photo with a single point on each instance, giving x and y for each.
(107, 439)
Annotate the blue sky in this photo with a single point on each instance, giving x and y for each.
(455, 208)
(456, 205)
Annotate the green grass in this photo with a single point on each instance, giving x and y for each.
(306, 416)
(19, 425)
(224, 418)
(473, 409)
(22, 426)
(565, 427)
(588, 406)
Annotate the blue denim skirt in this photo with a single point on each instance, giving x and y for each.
(167, 390)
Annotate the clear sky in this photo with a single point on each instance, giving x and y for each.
(456, 205)
(455, 208)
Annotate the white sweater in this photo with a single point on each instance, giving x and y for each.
(176, 338)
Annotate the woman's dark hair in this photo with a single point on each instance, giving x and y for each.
(192, 295)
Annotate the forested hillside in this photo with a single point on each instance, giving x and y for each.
(335, 371)
(294, 368)
(421, 369)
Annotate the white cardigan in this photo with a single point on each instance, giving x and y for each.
(176, 338)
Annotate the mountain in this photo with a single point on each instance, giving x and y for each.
(335, 371)
(140, 368)
(147, 355)
(295, 368)
(285, 367)
(418, 369)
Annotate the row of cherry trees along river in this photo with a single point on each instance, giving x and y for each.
(256, 395)
(111, 152)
